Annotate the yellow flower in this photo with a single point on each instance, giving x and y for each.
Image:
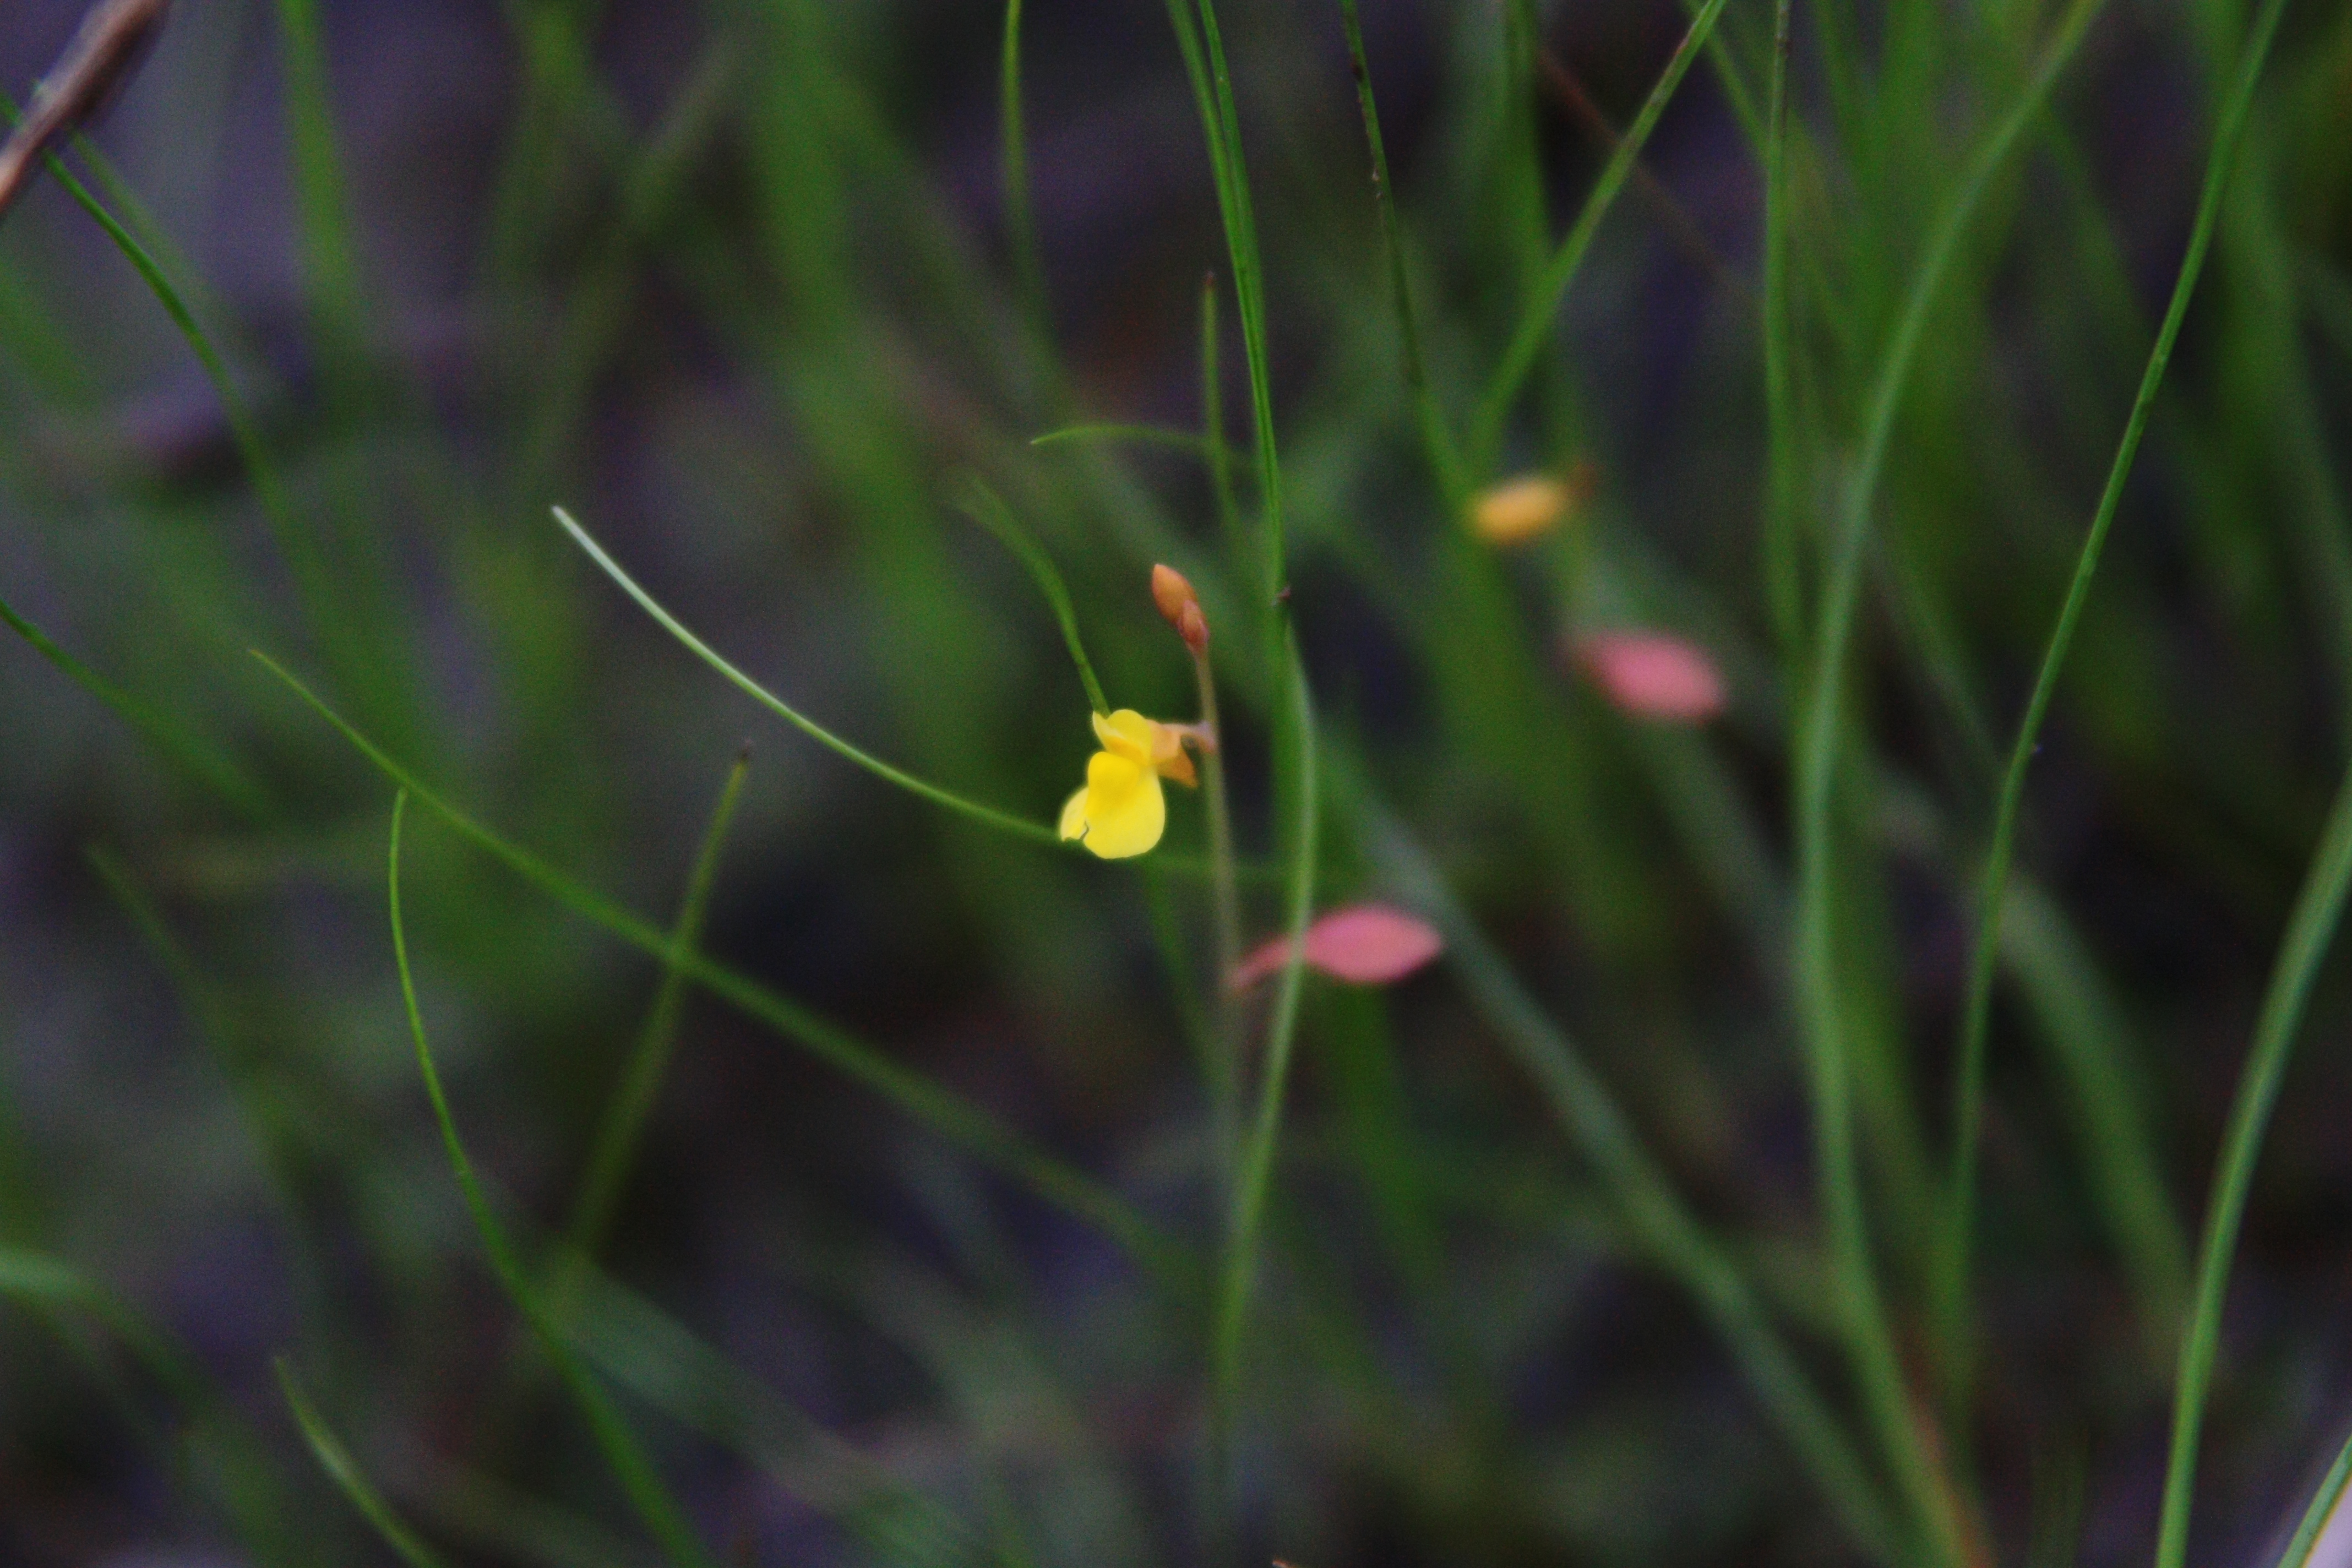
(1121, 811)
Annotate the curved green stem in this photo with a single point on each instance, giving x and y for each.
(985, 507)
(1543, 303)
(1870, 1336)
(1258, 1159)
(1437, 440)
(647, 1492)
(944, 1112)
(1020, 216)
(2310, 931)
(1953, 1263)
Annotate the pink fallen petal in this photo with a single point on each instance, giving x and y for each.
(1652, 676)
(1363, 944)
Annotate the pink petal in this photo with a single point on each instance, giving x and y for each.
(1652, 675)
(1363, 944)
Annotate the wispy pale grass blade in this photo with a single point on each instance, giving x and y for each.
(1019, 827)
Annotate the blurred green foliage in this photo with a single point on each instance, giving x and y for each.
(884, 1187)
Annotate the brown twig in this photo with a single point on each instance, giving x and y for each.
(102, 55)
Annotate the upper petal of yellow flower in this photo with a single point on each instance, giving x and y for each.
(1127, 733)
(1121, 811)
(1158, 746)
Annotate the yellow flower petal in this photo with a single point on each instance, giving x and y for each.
(1127, 733)
(1121, 811)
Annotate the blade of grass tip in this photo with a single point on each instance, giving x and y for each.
(202, 763)
(1870, 1336)
(2302, 1548)
(1543, 304)
(1140, 435)
(1950, 1301)
(623, 1121)
(1437, 439)
(2311, 929)
(1784, 582)
(1258, 1159)
(345, 1472)
(1020, 216)
(986, 508)
(944, 1112)
(1004, 822)
(648, 1496)
(1653, 1215)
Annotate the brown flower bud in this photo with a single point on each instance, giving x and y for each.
(1179, 606)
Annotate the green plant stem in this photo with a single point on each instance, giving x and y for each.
(622, 1125)
(345, 1472)
(1653, 1215)
(648, 1495)
(1437, 439)
(945, 1113)
(1020, 216)
(193, 755)
(1256, 1173)
(1869, 1333)
(1224, 1058)
(1951, 1284)
(295, 545)
(985, 507)
(2321, 1508)
(1783, 579)
(1213, 430)
(1543, 302)
(2310, 931)
(1212, 92)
